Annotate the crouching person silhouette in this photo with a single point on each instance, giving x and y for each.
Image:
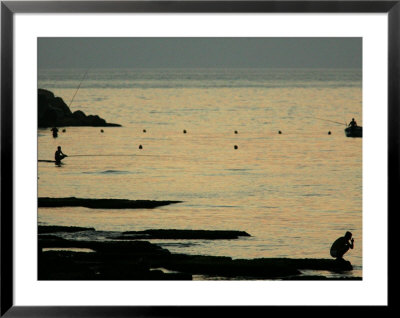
(342, 245)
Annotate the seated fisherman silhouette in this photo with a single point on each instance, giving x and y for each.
(353, 123)
(342, 245)
(59, 155)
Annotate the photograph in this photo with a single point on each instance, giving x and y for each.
(199, 158)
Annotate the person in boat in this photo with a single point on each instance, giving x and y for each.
(59, 155)
(353, 123)
(342, 245)
(55, 131)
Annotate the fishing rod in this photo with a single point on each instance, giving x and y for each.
(133, 155)
(332, 121)
(83, 78)
(127, 155)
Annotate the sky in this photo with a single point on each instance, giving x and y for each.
(199, 53)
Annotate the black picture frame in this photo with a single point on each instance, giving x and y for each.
(9, 8)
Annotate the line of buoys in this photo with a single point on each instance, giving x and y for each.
(55, 131)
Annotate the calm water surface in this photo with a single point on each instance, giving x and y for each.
(294, 192)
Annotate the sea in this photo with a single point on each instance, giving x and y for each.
(294, 181)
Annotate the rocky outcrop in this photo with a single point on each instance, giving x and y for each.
(53, 112)
(142, 260)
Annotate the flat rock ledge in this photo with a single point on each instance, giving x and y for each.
(44, 229)
(45, 202)
(53, 112)
(181, 235)
(151, 234)
(142, 260)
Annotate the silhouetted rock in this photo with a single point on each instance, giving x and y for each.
(80, 115)
(52, 112)
(320, 277)
(182, 234)
(247, 268)
(65, 265)
(110, 261)
(102, 203)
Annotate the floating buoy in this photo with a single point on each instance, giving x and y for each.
(236, 147)
(184, 131)
(140, 147)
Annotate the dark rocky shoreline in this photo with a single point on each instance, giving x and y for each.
(142, 260)
(53, 112)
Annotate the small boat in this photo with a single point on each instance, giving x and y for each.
(354, 131)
